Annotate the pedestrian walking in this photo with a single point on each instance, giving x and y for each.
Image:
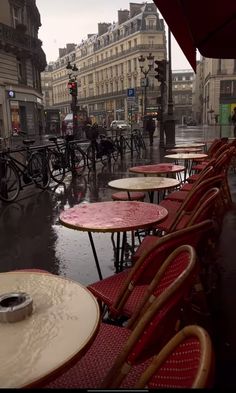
(233, 118)
(150, 128)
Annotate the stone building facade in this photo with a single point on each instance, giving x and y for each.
(21, 62)
(108, 67)
(182, 88)
(215, 91)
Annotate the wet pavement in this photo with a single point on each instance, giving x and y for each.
(32, 237)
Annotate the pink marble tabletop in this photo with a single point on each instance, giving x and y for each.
(112, 216)
(164, 167)
(184, 150)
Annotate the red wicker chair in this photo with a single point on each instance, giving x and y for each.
(188, 205)
(226, 148)
(204, 210)
(180, 196)
(116, 349)
(186, 361)
(121, 293)
(212, 151)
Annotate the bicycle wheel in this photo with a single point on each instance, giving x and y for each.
(56, 166)
(38, 170)
(89, 153)
(9, 183)
(105, 158)
(77, 159)
(136, 143)
(115, 154)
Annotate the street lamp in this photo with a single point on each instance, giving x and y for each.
(72, 85)
(145, 71)
(170, 121)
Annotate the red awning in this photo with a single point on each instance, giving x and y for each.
(206, 25)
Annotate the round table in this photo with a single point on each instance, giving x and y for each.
(148, 183)
(157, 169)
(184, 150)
(188, 158)
(62, 326)
(186, 145)
(112, 216)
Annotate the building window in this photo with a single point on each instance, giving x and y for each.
(129, 65)
(225, 87)
(17, 15)
(21, 70)
(151, 24)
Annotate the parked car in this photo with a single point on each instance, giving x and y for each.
(191, 123)
(119, 125)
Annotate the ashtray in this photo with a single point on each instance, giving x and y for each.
(15, 306)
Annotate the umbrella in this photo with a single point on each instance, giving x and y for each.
(206, 25)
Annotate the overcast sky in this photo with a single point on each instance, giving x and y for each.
(69, 21)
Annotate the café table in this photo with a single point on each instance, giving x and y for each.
(190, 144)
(112, 217)
(63, 324)
(188, 158)
(149, 184)
(184, 150)
(164, 168)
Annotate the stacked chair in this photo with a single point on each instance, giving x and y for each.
(121, 293)
(141, 353)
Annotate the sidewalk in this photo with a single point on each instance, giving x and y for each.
(32, 237)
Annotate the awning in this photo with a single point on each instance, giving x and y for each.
(206, 25)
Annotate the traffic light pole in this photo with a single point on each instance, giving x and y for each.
(74, 111)
(162, 139)
(170, 121)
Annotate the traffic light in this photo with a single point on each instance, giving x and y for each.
(160, 70)
(72, 88)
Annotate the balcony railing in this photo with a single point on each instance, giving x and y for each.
(12, 39)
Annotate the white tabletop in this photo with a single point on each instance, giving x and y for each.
(147, 183)
(186, 156)
(64, 321)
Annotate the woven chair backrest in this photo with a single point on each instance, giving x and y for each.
(153, 325)
(186, 361)
(214, 147)
(150, 261)
(204, 209)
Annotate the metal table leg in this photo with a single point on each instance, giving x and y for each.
(95, 255)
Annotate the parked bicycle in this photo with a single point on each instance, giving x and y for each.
(63, 156)
(22, 167)
(101, 147)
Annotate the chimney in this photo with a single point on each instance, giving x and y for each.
(103, 28)
(123, 16)
(62, 52)
(70, 48)
(135, 9)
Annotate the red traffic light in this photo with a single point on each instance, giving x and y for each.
(72, 86)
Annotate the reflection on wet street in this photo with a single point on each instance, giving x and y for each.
(32, 237)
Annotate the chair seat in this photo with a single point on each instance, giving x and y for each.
(186, 187)
(107, 290)
(177, 195)
(123, 196)
(147, 242)
(104, 350)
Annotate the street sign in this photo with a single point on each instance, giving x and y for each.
(131, 99)
(131, 93)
